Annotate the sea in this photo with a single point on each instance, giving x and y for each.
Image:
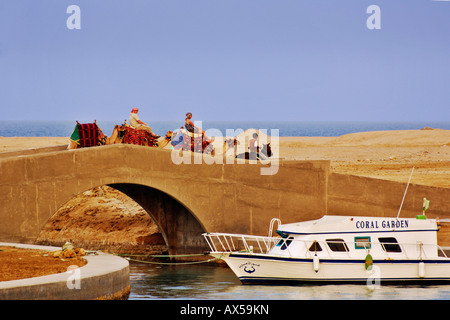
(203, 285)
(285, 128)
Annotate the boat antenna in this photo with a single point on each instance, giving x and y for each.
(404, 194)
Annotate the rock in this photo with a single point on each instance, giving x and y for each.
(69, 253)
(67, 246)
(80, 252)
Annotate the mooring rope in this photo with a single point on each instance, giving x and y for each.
(174, 263)
(127, 256)
(162, 255)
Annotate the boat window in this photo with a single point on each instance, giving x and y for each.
(390, 244)
(315, 247)
(338, 245)
(362, 242)
(283, 237)
(284, 243)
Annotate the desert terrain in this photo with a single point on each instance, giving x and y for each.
(27, 263)
(386, 155)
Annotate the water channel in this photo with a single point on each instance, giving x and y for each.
(204, 282)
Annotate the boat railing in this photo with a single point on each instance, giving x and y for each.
(442, 252)
(228, 242)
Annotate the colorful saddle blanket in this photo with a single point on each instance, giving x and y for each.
(138, 137)
(196, 144)
(88, 135)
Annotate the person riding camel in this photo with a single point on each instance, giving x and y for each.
(189, 125)
(136, 123)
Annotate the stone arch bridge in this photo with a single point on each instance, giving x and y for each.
(186, 200)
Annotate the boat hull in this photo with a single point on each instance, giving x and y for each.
(266, 269)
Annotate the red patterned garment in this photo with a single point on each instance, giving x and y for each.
(138, 137)
(196, 144)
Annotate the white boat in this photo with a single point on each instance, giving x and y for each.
(338, 249)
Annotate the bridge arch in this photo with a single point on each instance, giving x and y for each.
(179, 226)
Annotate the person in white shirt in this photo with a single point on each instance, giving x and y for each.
(254, 149)
(136, 123)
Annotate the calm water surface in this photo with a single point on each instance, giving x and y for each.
(151, 281)
(286, 128)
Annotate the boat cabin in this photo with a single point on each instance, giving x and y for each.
(354, 237)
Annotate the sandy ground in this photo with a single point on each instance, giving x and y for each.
(105, 219)
(26, 263)
(8, 144)
(386, 155)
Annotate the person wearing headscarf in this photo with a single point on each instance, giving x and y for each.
(137, 123)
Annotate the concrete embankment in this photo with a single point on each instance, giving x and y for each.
(103, 277)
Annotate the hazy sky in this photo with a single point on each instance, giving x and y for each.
(305, 60)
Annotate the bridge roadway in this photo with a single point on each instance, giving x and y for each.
(186, 200)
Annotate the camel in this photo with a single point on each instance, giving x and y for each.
(180, 143)
(164, 141)
(117, 137)
(193, 142)
(114, 138)
(89, 136)
(265, 150)
(232, 143)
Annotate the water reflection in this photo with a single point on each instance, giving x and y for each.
(149, 281)
(179, 282)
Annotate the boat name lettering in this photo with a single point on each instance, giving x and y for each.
(249, 264)
(384, 224)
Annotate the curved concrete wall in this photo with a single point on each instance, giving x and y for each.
(103, 277)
